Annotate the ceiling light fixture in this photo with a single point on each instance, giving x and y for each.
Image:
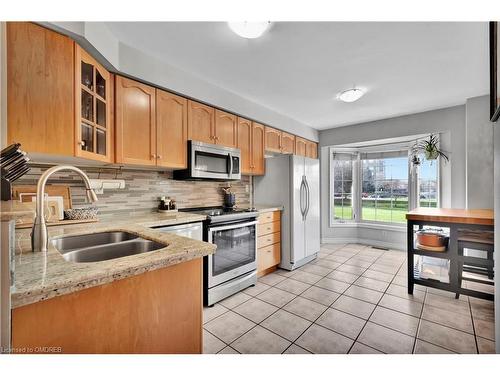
(249, 30)
(351, 95)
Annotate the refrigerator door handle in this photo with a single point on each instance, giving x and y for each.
(308, 193)
(302, 189)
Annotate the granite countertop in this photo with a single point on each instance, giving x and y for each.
(12, 210)
(263, 208)
(39, 276)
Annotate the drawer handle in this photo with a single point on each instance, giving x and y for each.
(269, 251)
(268, 240)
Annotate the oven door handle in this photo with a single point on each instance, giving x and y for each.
(234, 226)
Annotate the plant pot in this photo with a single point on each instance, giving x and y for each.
(431, 154)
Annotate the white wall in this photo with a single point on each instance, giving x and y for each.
(479, 141)
(119, 57)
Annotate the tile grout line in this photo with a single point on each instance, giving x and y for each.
(352, 255)
(328, 306)
(376, 305)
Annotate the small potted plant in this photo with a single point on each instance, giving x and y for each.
(430, 149)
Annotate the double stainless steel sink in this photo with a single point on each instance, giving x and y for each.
(97, 247)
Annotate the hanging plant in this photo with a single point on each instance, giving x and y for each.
(430, 149)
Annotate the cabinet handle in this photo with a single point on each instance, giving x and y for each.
(153, 156)
(81, 143)
(269, 251)
(158, 157)
(268, 240)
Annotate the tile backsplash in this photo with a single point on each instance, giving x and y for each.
(142, 189)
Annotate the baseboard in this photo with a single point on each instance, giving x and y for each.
(364, 241)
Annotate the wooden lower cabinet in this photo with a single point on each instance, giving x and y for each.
(268, 242)
(155, 312)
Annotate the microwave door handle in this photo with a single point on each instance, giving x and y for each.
(230, 165)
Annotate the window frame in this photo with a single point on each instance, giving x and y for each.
(357, 180)
(331, 200)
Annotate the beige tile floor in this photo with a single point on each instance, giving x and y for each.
(352, 299)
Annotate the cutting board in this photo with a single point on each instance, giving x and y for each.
(52, 190)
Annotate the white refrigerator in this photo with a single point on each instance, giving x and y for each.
(292, 181)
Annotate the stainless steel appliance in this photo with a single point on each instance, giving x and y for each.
(212, 162)
(191, 230)
(233, 266)
(292, 181)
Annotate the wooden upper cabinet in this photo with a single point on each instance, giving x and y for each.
(171, 130)
(40, 89)
(258, 149)
(287, 143)
(245, 144)
(225, 129)
(273, 140)
(300, 146)
(312, 150)
(201, 122)
(93, 99)
(135, 123)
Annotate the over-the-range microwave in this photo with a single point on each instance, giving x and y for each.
(211, 162)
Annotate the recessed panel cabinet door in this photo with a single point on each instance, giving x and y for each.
(300, 146)
(40, 89)
(287, 143)
(201, 122)
(135, 123)
(225, 129)
(312, 150)
(171, 130)
(258, 145)
(273, 140)
(245, 144)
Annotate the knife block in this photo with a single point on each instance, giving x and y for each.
(6, 190)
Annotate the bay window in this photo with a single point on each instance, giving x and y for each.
(379, 185)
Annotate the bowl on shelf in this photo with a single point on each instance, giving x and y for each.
(432, 239)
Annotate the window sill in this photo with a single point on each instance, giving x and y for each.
(395, 228)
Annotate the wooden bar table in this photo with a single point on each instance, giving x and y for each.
(455, 220)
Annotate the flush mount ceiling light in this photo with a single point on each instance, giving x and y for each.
(249, 30)
(351, 95)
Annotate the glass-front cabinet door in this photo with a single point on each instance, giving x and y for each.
(93, 108)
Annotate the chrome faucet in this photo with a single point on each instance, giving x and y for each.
(39, 236)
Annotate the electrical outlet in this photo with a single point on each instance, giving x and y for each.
(247, 188)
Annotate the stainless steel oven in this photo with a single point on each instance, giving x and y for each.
(213, 162)
(233, 266)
